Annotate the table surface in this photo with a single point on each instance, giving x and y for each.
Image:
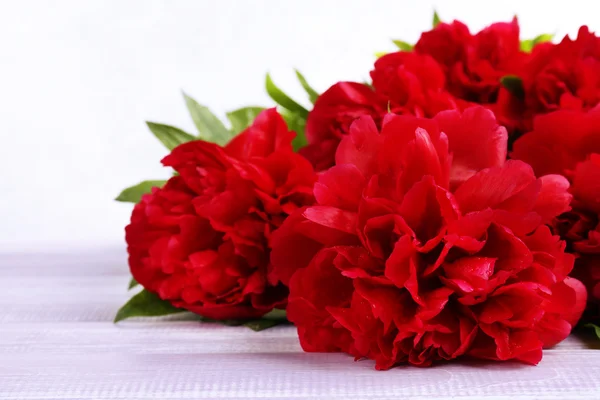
(57, 341)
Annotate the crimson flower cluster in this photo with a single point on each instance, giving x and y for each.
(420, 249)
(449, 69)
(567, 142)
(556, 77)
(202, 241)
(449, 209)
(474, 64)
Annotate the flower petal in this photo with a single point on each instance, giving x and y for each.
(476, 141)
(490, 187)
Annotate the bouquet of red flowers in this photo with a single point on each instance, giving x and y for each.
(449, 208)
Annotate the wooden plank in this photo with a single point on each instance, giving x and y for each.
(57, 341)
(62, 298)
(137, 336)
(110, 261)
(105, 370)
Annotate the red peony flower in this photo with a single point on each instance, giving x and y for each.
(425, 245)
(474, 64)
(403, 83)
(568, 142)
(447, 43)
(332, 115)
(412, 84)
(202, 241)
(559, 141)
(561, 76)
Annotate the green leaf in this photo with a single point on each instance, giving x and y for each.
(134, 194)
(261, 324)
(543, 38)
(230, 322)
(273, 318)
(404, 46)
(528, 44)
(297, 124)
(255, 324)
(436, 19)
(277, 315)
(145, 304)
(596, 328)
(132, 283)
(242, 118)
(380, 54)
(170, 136)
(514, 85)
(210, 128)
(283, 99)
(312, 93)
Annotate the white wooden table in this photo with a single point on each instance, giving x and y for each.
(57, 341)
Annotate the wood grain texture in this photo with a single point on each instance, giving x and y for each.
(57, 341)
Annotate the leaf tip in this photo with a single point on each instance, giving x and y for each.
(119, 317)
(132, 283)
(436, 18)
(189, 100)
(268, 80)
(402, 45)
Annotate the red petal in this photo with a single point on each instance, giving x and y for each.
(552, 330)
(421, 210)
(197, 160)
(523, 345)
(291, 249)
(586, 183)
(413, 148)
(476, 128)
(360, 147)
(331, 217)
(554, 198)
(267, 134)
(398, 264)
(510, 252)
(341, 186)
(469, 231)
(490, 187)
(568, 300)
(355, 262)
(386, 301)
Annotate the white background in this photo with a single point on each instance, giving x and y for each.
(79, 78)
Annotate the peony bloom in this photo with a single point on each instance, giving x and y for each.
(447, 43)
(568, 142)
(332, 115)
(202, 241)
(412, 84)
(403, 83)
(425, 245)
(559, 76)
(474, 64)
